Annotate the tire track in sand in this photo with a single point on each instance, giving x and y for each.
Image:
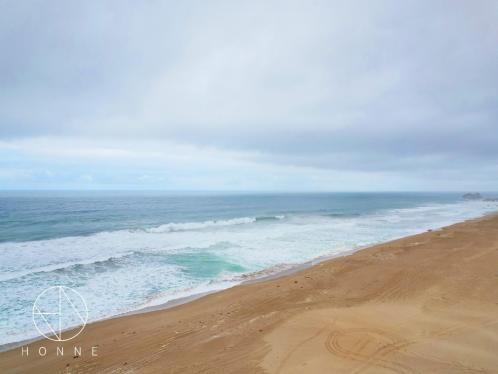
(363, 338)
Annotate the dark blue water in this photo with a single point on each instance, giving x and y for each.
(26, 216)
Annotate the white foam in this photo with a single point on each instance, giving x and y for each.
(171, 227)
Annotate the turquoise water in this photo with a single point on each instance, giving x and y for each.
(122, 251)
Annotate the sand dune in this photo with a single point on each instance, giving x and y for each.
(423, 304)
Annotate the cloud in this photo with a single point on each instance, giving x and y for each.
(404, 90)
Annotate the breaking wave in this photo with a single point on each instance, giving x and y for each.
(189, 226)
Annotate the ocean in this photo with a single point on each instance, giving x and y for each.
(123, 251)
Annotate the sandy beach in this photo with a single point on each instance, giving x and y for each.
(422, 304)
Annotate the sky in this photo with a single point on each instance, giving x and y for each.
(249, 95)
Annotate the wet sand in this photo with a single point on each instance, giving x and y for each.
(423, 304)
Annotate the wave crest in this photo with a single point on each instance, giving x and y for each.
(189, 226)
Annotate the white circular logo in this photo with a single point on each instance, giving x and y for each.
(57, 309)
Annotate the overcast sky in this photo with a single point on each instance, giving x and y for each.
(249, 95)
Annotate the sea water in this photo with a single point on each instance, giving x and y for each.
(122, 251)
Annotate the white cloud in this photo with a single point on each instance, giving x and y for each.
(315, 89)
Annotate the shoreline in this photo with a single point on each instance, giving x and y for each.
(295, 268)
(170, 298)
(278, 290)
(195, 296)
(190, 298)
